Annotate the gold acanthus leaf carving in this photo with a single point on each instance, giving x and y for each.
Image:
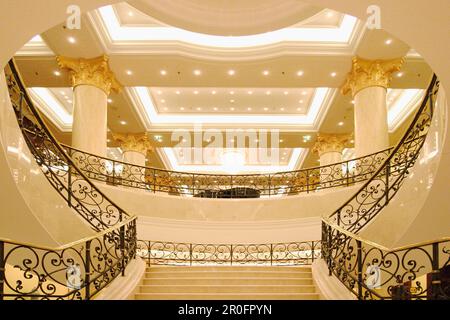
(370, 73)
(95, 72)
(133, 142)
(331, 143)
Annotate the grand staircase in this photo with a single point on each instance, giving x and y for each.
(227, 283)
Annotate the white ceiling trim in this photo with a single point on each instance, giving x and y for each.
(118, 39)
(52, 108)
(317, 110)
(35, 47)
(170, 161)
(403, 106)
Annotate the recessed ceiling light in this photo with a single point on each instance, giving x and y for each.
(299, 109)
(330, 14)
(159, 91)
(388, 41)
(232, 101)
(214, 92)
(300, 73)
(400, 74)
(165, 109)
(181, 108)
(333, 74)
(71, 40)
(304, 93)
(266, 72)
(300, 101)
(268, 92)
(130, 13)
(286, 93)
(57, 73)
(110, 100)
(231, 92)
(177, 92)
(232, 109)
(352, 141)
(108, 140)
(281, 140)
(195, 92)
(129, 72)
(353, 102)
(265, 109)
(215, 109)
(199, 108)
(231, 72)
(163, 72)
(250, 92)
(282, 109)
(122, 122)
(163, 101)
(197, 72)
(249, 109)
(340, 124)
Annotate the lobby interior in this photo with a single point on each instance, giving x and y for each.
(193, 150)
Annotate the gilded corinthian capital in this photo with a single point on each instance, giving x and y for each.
(94, 72)
(133, 142)
(330, 143)
(370, 73)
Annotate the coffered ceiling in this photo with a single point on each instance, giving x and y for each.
(285, 78)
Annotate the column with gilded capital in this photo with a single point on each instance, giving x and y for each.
(92, 82)
(134, 147)
(368, 82)
(330, 147)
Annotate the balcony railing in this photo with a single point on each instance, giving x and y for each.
(191, 254)
(340, 174)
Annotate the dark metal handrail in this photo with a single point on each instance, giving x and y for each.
(376, 192)
(78, 270)
(173, 253)
(186, 183)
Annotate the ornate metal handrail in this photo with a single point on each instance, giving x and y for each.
(340, 174)
(61, 171)
(172, 253)
(75, 271)
(376, 193)
(78, 270)
(371, 271)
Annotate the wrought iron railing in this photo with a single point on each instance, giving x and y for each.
(172, 253)
(61, 171)
(78, 270)
(72, 272)
(377, 191)
(373, 272)
(340, 174)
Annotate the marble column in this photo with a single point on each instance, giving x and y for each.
(368, 82)
(330, 147)
(92, 82)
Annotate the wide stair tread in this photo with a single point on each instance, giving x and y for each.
(227, 282)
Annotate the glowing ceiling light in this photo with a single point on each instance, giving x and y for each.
(340, 123)
(71, 40)
(231, 72)
(300, 73)
(333, 74)
(388, 41)
(197, 72)
(57, 73)
(129, 72)
(163, 72)
(266, 72)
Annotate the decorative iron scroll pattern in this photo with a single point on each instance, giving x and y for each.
(182, 183)
(60, 170)
(75, 272)
(371, 272)
(172, 253)
(387, 179)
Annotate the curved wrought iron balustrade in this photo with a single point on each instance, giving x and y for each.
(340, 174)
(73, 272)
(172, 253)
(373, 272)
(377, 191)
(78, 270)
(61, 171)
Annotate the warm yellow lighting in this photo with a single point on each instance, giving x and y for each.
(231, 72)
(163, 72)
(57, 73)
(197, 72)
(333, 74)
(71, 40)
(300, 73)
